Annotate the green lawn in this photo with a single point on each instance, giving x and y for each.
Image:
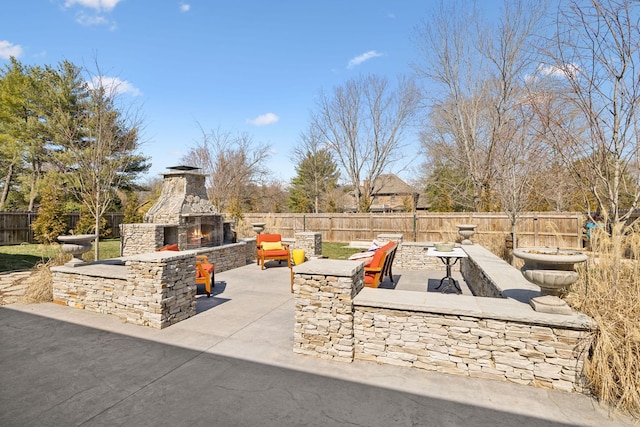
(25, 257)
(338, 250)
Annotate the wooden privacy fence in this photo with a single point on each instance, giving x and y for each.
(564, 229)
(15, 227)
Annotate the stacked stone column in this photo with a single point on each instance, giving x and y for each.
(310, 242)
(324, 292)
(160, 293)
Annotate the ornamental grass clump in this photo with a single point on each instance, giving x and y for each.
(609, 292)
(39, 285)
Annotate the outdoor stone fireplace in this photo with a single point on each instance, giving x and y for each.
(183, 215)
(151, 288)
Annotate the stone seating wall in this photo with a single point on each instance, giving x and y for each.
(155, 289)
(497, 338)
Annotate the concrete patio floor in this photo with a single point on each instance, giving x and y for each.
(233, 364)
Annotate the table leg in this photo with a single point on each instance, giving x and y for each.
(451, 282)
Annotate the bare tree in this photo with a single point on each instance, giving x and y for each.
(97, 139)
(597, 57)
(522, 160)
(480, 73)
(363, 123)
(235, 169)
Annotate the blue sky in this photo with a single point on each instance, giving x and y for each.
(240, 66)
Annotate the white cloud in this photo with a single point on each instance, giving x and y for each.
(92, 12)
(567, 70)
(364, 57)
(91, 20)
(264, 119)
(99, 5)
(185, 7)
(115, 85)
(8, 49)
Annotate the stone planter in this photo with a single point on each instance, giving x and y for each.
(554, 271)
(258, 227)
(466, 231)
(76, 245)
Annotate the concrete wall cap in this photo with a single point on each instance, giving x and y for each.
(329, 267)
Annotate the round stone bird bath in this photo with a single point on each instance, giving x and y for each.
(76, 245)
(553, 270)
(466, 231)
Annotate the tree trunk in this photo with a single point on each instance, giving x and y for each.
(35, 178)
(96, 249)
(7, 184)
(514, 241)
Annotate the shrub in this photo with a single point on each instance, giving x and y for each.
(87, 225)
(132, 214)
(51, 221)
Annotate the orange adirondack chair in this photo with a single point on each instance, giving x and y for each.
(205, 273)
(270, 247)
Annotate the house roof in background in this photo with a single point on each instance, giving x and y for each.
(391, 184)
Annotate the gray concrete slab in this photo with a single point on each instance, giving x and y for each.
(233, 364)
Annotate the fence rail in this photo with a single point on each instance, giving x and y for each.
(15, 227)
(563, 229)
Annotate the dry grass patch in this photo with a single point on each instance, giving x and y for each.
(609, 292)
(39, 285)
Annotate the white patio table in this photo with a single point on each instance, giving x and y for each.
(449, 259)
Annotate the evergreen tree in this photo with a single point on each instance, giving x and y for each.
(132, 214)
(51, 221)
(317, 176)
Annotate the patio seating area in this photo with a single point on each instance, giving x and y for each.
(247, 323)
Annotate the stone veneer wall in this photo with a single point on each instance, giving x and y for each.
(154, 289)
(140, 238)
(310, 242)
(324, 292)
(164, 291)
(226, 257)
(413, 256)
(543, 355)
(487, 275)
(250, 249)
(497, 338)
(477, 280)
